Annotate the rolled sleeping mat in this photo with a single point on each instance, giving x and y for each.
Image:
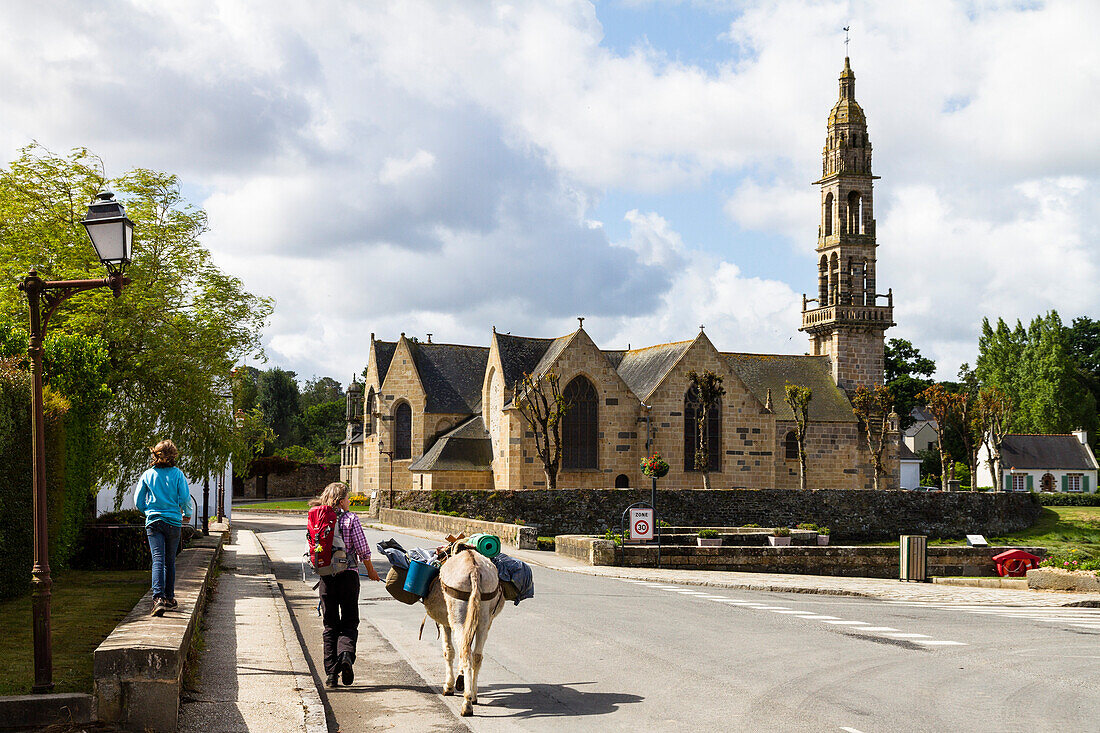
(487, 544)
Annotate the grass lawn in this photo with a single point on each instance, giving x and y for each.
(86, 605)
(1058, 528)
(301, 505)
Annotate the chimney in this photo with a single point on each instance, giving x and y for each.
(1082, 435)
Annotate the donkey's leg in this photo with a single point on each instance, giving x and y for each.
(448, 661)
(476, 655)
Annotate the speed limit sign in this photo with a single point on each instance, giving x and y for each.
(641, 524)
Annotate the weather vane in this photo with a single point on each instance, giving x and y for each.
(846, 39)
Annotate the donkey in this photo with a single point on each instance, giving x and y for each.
(467, 598)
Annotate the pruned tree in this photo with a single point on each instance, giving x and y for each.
(798, 397)
(966, 424)
(943, 406)
(872, 406)
(539, 399)
(994, 415)
(705, 394)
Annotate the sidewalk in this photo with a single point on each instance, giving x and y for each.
(252, 675)
(887, 590)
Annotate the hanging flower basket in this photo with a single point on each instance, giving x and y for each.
(654, 466)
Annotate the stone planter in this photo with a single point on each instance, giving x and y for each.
(1081, 581)
(822, 540)
(709, 541)
(779, 541)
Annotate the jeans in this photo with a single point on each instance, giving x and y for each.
(340, 612)
(164, 541)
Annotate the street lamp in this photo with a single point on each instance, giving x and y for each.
(389, 455)
(112, 235)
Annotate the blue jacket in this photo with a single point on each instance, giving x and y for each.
(163, 495)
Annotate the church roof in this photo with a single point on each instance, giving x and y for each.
(553, 351)
(452, 376)
(466, 448)
(761, 372)
(847, 111)
(643, 369)
(383, 352)
(519, 355)
(1064, 452)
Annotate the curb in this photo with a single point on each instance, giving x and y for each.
(312, 707)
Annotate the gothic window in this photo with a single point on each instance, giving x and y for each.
(823, 282)
(579, 427)
(790, 447)
(855, 213)
(829, 215)
(622, 481)
(402, 432)
(369, 425)
(691, 432)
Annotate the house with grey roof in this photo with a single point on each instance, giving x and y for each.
(1042, 463)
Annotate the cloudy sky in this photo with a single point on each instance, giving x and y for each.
(445, 167)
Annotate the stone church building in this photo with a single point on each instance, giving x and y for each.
(440, 416)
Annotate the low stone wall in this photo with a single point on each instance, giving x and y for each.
(844, 561)
(309, 479)
(517, 535)
(853, 515)
(1080, 581)
(590, 550)
(138, 669)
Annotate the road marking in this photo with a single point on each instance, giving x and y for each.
(772, 608)
(850, 730)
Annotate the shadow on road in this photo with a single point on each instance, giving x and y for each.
(548, 701)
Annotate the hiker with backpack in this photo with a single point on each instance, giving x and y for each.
(336, 542)
(165, 499)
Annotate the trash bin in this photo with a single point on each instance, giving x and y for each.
(914, 557)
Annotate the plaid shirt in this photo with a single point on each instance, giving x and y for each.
(355, 542)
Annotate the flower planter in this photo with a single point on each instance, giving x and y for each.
(779, 541)
(822, 540)
(709, 541)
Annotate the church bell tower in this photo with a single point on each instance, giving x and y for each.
(846, 321)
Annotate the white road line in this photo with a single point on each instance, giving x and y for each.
(933, 642)
(850, 730)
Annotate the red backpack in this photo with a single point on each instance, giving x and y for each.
(327, 553)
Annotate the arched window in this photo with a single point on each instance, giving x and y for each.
(823, 282)
(402, 432)
(691, 434)
(790, 447)
(834, 278)
(579, 428)
(829, 215)
(368, 428)
(855, 213)
(1046, 483)
(622, 481)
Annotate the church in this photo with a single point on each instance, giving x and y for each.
(435, 416)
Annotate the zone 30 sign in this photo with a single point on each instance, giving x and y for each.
(641, 524)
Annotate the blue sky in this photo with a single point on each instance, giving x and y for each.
(648, 165)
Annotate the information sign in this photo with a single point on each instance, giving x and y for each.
(641, 524)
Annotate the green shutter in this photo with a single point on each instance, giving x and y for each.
(1085, 483)
(1030, 485)
(1065, 482)
(1008, 482)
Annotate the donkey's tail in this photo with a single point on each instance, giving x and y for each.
(473, 614)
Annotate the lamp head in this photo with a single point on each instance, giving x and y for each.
(111, 231)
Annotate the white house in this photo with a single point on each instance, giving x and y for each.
(1056, 463)
(923, 434)
(910, 467)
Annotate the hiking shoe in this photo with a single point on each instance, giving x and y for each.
(171, 604)
(158, 607)
(332, 681)
(347, 674)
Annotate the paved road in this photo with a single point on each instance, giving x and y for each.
(595, 653)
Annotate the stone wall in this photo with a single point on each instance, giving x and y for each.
(857, 562)
(306, 480)
(853, 515)
(517, 535)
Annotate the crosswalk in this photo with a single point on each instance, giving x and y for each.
(1066, 616)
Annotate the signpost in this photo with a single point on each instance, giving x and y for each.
(641, 524)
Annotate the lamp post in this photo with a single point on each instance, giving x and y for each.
(388, 454)
(112, 235)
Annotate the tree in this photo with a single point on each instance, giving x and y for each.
(249, 439)
(539, 400)
(798, 397)
(943, 406)
(175, 332)
(873, 406)
(278, 400)
(966, 424)
(906, 375)
(319, 390)
(706, 394)
(994, 415)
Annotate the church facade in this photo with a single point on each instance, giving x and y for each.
(440, 416)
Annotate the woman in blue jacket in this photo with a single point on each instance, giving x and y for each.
(164, 497)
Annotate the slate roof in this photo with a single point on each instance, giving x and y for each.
(905, 454)
(383, 351)
(920, 414)
(466, 448)
(519, 355)
(1063, 452)
(452, 376)
(761, 372)
(553, 351)
(643, 369)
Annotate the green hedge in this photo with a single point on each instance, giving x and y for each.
(1069, 499)
(16, 525)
